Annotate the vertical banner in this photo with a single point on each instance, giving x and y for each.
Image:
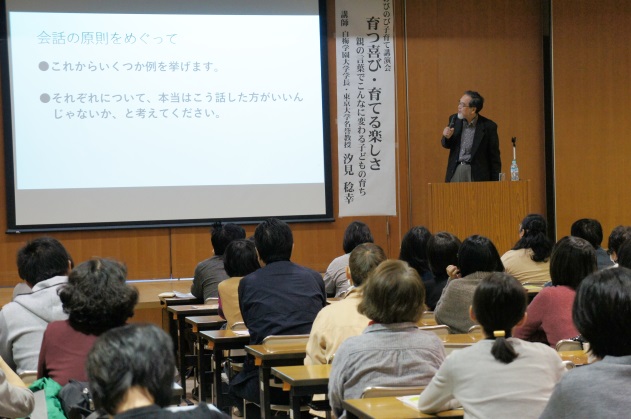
(366, 107)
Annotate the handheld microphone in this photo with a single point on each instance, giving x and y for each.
(452, 121)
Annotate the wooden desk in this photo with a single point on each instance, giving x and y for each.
(200, 323)
(267, 357)
(218, 342)
(178, 314)
(303, 380)
(390, 408)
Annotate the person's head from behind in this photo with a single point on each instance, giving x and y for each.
(363, 260)
(97, 298)
(588, 229)
(478, 254)
(533, 235)
(602, 309)
(499, 304)
(133, 357)
(273, 240)
(618, 236)
(393, 293)
(41, 259)
(624, 254)
(222, 234)
(442, 251)
(414, 248)
(355, 234)
(240, 258)
(572, 260)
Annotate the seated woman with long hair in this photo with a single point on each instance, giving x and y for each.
(442, 251)
(477, 259)
(529, 259)
(96, 299)
(500, 376)
(550, 312)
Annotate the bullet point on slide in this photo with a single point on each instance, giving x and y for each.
(44, 97)
(43, 65)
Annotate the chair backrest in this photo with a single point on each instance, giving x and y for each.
(28, 377)
(440, 330)
(568, 345)
(212, 301)
(384, 391)
(238, 326)
(476, 328)
(280, 340)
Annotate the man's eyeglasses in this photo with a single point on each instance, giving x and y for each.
(463, 105)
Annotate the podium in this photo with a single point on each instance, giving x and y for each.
(491, 209)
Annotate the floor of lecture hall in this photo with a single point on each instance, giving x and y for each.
(191, 383)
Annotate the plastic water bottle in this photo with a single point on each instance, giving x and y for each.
(514, 171)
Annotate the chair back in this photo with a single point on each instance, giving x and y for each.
(212, 301)
(384, 391)
(440, 330)
(273, 341)
(568, 345)
(28, 377)
(476, 328)
(238, 326)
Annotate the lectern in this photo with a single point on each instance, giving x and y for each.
(492, 209)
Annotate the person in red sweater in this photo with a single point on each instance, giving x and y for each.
(549, 315)
(96, 299)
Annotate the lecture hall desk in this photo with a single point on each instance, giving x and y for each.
(266, 358)
(303, 380)
(179, 314)
(390, 408)
(218, 342)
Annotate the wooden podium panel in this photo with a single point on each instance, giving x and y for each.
(492, 209)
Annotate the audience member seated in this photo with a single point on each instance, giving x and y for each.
(339, 321)
(624, 254)
(96, 299)
(591, 230)
(392, 351)
(44, 264)
(240, 259)
(210, 272)
(601, 313)
(335, 280)
(617, 236)
(529, 259)
(500, 376)
(477, 259)
(414, 252)
(442, 251)
(131, 371)
(281, 298)
(16, 401)
(550, 312)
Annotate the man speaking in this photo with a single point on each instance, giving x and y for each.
(474, 147)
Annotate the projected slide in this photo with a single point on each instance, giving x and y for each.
(223, 112)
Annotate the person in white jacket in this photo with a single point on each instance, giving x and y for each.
(44, 264)
(500, 376)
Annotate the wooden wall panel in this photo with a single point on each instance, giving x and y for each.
(592, 63)
(494, 47)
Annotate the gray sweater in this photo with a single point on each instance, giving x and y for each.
(598, 390)
(453, 307)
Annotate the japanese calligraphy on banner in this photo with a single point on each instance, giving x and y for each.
(366, 107)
